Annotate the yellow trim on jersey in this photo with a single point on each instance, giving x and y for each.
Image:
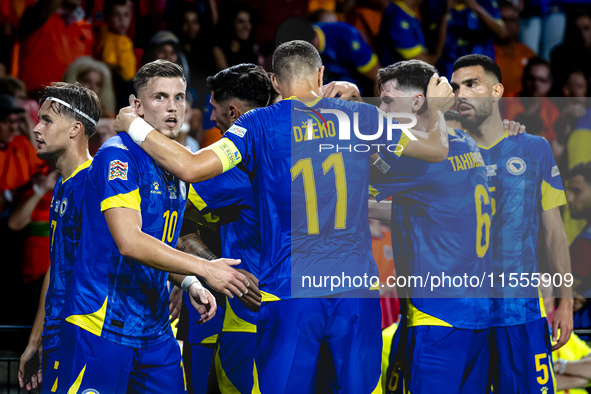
(378, 389)
(551, 197)
(506, 135)
(56, 365)
(373, 191)
(405, 8)
(451, 131)
(184, 376)
(309, 104)
(93, 322)
(269, 297)
(54, 387)
(224, 383)
(227, 152)
(211, 339)
(82, 166)
(417, 318)
(411, 53)
(76, 386)
(321, 39)
(196, 199)
(404, 140)
(232, 323)
(542, 307)
(255, 379)
(131, 200)
(369, 65)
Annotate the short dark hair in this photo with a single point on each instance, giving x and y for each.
(483, 61)
(110, 4)
(410, 74)
(295, 58)
(77, 96)
(157, 69)
(535, 61)
(583, 169)
(247, 82)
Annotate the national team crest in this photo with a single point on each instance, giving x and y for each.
(118, 170)
(516, 165)
(63, 206)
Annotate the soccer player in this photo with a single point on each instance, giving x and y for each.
(115, 334)
(67, 118)
(526, 191)
(440, 223)
(320, 237)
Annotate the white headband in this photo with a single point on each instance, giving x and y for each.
(72, 108)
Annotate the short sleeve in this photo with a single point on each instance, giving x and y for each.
(407, 37)
(552, 190)
(492, 7)
(216, 193)
(358, 51)
(116, 176)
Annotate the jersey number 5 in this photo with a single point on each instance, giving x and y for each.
(304, 167)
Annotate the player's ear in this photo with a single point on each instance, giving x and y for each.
(275, 84)
(139, 108)
(234, 112)
(419, 102)
(497, 91)
(77, 129)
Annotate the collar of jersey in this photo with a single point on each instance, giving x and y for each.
(506, 135)
(405, 8)
(82, 166)
(310, 104)
(321, 38)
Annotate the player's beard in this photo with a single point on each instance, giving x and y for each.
(481, 113)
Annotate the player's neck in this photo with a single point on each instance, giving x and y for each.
(422, 122)
(72, 158)
(302, 90)
(490, 131)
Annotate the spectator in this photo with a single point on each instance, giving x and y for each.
(572, 362)
(322, 16)
(236, 41)
(544, 23)
(537, 83)
(575, 52)
(471, 24)
(401, 35)
(345, 55)
(53, 33)
(115, 47)
(96, 76)
(26, 119)
(511, 55)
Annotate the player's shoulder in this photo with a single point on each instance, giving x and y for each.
(338, 29)
(120, 146)
(536, 145)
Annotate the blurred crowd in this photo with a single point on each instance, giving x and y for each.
(543, 48)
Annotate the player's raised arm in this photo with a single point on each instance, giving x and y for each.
(126, 228)
(433, 145)
(190, 167)
(557, 250)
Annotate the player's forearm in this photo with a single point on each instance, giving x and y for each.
(381, 211)
(440, 45)
(557, 250)
(565, 382)
(190, 167)
(21, 217)
(497, 27)
(35, 337)
(192, 244)
(435, 144)
(580, 368)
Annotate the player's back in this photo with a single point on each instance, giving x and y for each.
(441, 225)
(312, 199)
(65, 219)
(113, 296)
(524, 181)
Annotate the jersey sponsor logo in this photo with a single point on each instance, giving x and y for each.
(516, 165)
(155, 187)
(239, 131)
(555, 171)
(118, 170)
(121, 146)
(63, 206)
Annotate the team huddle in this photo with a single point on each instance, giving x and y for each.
(464, 201)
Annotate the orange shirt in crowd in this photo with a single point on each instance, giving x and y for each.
(512, 66)
(548, 113)
(18, 163)
(45, 54)
(211, 136)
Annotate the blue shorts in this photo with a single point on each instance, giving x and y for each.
(521, 358)
(290, 334)
(50, 367)
(89, 362)
(234, 362)
(433, 359)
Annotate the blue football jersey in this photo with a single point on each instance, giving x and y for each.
(65, 218)
(343, 48)
(229, 198)
(441, 218)
(112, 296)
(467, 34)
(311, 190)
(401, 35)
(523, 180)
